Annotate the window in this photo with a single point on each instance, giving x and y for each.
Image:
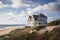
(41, 20)
(39, 23)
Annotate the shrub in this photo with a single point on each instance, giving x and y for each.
(53, 23)
(39, 27)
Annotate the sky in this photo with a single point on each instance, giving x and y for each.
(18, 11)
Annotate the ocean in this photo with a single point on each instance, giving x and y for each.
(11, 26)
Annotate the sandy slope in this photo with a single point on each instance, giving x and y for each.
(8, 29)
(5, 31)
(50, 28)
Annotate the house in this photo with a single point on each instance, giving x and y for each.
(37, 20)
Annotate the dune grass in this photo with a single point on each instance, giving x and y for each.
(23, 34)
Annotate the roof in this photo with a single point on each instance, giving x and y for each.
(42, 15)
(30, 17)
(36, 16)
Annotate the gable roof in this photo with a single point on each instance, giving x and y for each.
(36, 16)
(42, 15)
(30, 17)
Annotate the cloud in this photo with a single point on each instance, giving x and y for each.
(22, 14)
(52, 15)
(11, 14)
(31, 8)
(29, 11)
(0, 2)
(2, 5)
(58, 0)
(17, 4)
(49, 10)
(12, 18)
(21, 3)
(54, 6)
(5, 19)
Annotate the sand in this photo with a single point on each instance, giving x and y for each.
(5, 31)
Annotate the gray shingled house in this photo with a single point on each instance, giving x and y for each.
(37, 20)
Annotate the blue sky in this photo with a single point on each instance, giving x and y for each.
(17, 11)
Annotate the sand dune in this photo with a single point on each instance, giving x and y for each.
(5, 31)
(8, 29)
